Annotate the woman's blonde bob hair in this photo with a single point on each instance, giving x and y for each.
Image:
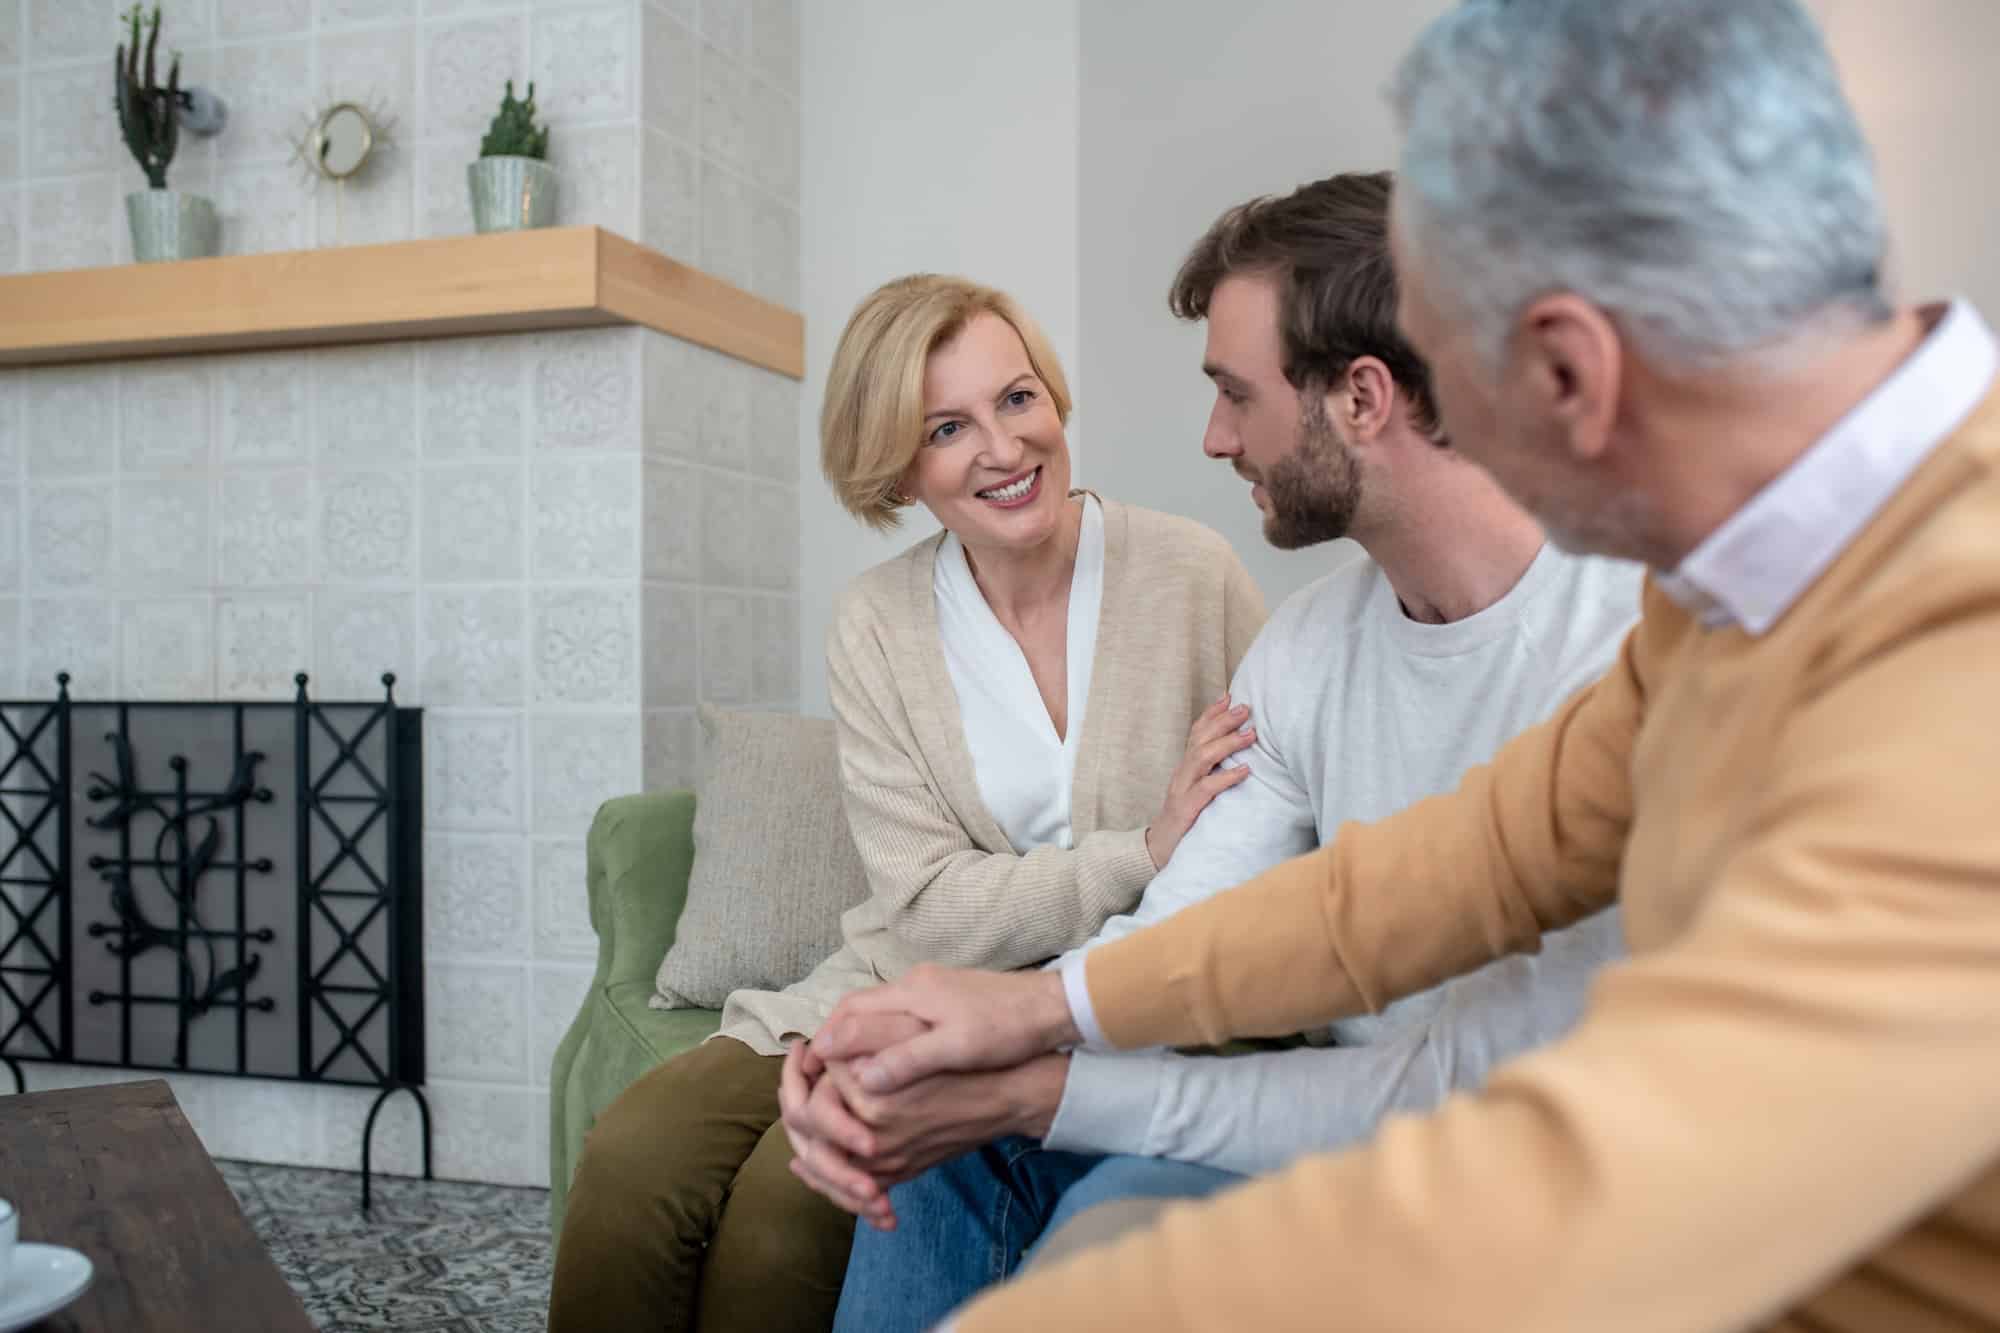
(872, 421)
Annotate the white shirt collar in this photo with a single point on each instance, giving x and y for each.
(1749, 571)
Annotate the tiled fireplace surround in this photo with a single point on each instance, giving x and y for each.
(561, 543)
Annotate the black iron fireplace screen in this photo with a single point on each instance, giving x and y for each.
(214, 888)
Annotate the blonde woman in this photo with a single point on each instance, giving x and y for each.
(1031, 709)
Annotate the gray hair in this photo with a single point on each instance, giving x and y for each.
(1691, 167)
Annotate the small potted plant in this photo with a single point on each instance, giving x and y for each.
(166, 224)
(512, 185)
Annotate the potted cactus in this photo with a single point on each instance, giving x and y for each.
(512, 185)
(166, 224)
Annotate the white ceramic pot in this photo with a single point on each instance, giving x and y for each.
(167, 224)
(510, 193)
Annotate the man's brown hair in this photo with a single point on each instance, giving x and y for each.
(1327, 246)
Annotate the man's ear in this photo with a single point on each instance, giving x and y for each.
(1364, 399)
(1572, 363)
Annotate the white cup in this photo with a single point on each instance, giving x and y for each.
(10, 1226)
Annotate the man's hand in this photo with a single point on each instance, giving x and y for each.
(937, 1118)
(825, 1135)
(972, 1021)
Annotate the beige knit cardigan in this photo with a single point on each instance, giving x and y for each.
(1178, 612)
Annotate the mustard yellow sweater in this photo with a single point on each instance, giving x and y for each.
(1783, 1111)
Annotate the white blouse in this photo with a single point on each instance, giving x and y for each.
(1024, 769)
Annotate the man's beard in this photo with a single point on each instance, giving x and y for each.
(1315, 489)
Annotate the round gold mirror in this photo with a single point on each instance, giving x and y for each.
(341, 141)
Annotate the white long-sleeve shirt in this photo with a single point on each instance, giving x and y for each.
(1361, 711)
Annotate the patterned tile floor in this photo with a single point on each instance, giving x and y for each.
(435, 1256)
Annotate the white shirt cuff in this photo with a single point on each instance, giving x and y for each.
(1077, 990)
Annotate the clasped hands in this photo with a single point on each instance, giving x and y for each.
(907, 1075)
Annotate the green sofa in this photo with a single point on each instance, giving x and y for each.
(639, 854)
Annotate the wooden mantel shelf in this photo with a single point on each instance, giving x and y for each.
(506, 282)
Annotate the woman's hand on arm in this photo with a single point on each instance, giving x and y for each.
(1219, 732)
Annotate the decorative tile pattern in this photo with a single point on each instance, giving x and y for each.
(672, 750)
(13, 229)
(265, 82)
(11, 134)
(670, 90)
(69, 536)
(562, 901)
(725, 25)
(580, 762)
(475, 647)
(774, 42)
(69, 223)
(476, 1020)
(600, 177)
(333, 13)
(774, 427)
(72, 129)
(774, 251)
(263, 209)
(10, 31)
(558, 996)
(586, 519)
(64, 29)
(473, 523)
(671, 662)
(464, 66)
(10, 647)
(475, 896)
(261, 18)
(364, 404)
(725, 225)
(474, 404)
(263, 407)
(728, 637)
(586, 645)
(672, 539)
(774, 672)
(163, 533)
(71, 422)
(261, 643)
(13, 397)
(774, 543)
(11, 539)
(361, 636)
(262, 528)
(163, 414)
(367, 525)
(674, 375)
(774, 146)
(488, 1133)
(669, 198)
(585, 65)
(585, 391)
(77, 635)
(725, 411)
(727, 539)
(472, 771)
(168, 653)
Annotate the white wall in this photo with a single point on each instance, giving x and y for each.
(938, 135)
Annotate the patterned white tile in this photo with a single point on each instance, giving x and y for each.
(672, 755)
(585, 64)
(444, 200)
(465, 67)
(472, 771)
(579, 763)
(475, 896)
(12, 537)
(559, 994)
(168, 651)
(263, 408)
(13, 416)
(586, 645)
(586, 393)
(681, 11)
(669, 198)
(368, 525)
(475, 647)
(74, 634)
(263, 528)
(164, 417)
(726, 536)
(163, 533)
(600, 177)
(11, 646)
(774, 43)
(725, 411)
(670, 89)
(10, 31)
(70, 536)
(343, 1115)
(672, 542)
(333, 13)
(725, 225)
(361, 636)
(728, 648)
(263, 208)
(72, 422)
(13, 229)
(774, 672)
(262, 18)
(562, 901)
(263, 1121)
(473, 523)
(726, 104)
(671, 657)
(364, 404)
(69, 30)
(475, 1016)
(674, 379)
(474, 402)
(586, 518)
(72, 129)
(491, 1134)
(774, 251)
(774, 145)
(12, 133)
(373, 208)
(261, 644)
(266, 85)
(725, 25)
(774, 549)
(69, 223)
(775, 447)
(375, 67)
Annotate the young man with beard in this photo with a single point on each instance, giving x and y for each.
(1452, 628)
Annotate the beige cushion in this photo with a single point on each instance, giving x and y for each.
(774, 864)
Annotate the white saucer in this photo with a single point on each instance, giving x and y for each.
(45, 1278)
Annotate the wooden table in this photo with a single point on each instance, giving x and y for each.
(118, 1173)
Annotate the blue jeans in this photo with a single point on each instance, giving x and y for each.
(971, 1222)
